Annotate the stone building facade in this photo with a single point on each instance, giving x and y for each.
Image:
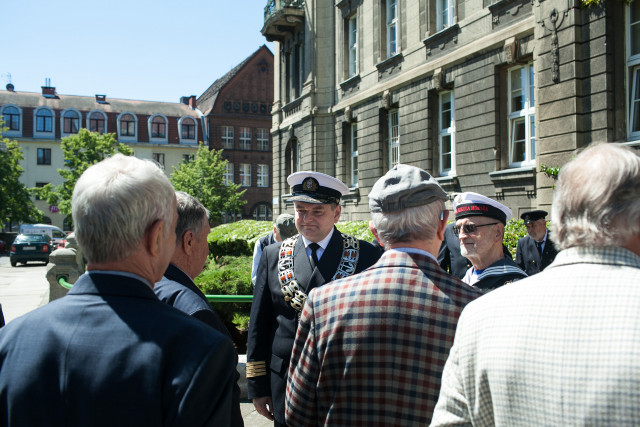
(479, 93)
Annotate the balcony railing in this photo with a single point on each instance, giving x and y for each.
(281, 17)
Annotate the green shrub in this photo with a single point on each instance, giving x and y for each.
(358, 229)
(513, 231)
(237, 238)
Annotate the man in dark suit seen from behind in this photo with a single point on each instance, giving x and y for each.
(536, 250)
(177, 287)
(283, 228)
(109, 353)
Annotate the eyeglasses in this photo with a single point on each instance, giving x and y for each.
(469, 228)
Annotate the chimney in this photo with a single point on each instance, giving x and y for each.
(192, 102)
(101, 99)
(10, 87)
(49, 92)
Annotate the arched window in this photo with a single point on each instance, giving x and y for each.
(97, 122)
(262, 213)
(188, 130)
(12, 118)
(70, 122)
(158, 127)
(127, 127)
(44, 125)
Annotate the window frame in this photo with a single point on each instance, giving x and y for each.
(443, 132)
(11, 131)
(266, 216)
(161, 135)
(227, 137)
(51, 121)
(245, 174)
(526, 115)
(441, 22)
(245, 138)
(391, 28)
(159, 158)
(393, 145)
(353, 155)
(182, 123)
(45, 158)
(262, 175)
(128, 137)
(103, 118)
(262, 138)
(633, 75)
(66, 122)
(228, 174)
(352, 45)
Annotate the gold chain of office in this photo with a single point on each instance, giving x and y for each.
(291, 289)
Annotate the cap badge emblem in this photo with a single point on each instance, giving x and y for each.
(310, 184)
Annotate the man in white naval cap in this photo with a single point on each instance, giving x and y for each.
(286, 273)
(480, 225)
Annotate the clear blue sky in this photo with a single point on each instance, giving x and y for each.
(152, 50)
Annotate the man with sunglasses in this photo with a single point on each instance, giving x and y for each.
(480, 225)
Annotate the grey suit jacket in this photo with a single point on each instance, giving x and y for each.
(556, 349)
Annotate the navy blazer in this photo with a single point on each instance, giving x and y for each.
(273, 323)
(528, 258)
(178, 290)
(110, 353)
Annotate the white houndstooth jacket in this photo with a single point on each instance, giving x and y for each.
(556, 349)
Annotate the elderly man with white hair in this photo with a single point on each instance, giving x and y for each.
(110, 353)
(561, 348)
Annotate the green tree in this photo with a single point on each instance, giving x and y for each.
(80, 151)
(15, 201)
(203, 178)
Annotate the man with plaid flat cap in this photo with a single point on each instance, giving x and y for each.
(286, 273)
(370, 348)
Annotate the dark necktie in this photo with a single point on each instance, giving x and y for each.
(314, 256)
(539, 246)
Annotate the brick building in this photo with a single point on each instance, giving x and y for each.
(237, 112)
(480, 93)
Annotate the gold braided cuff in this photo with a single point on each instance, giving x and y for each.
(256, 369)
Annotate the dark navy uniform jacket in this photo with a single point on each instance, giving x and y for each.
(178, 290)
(528, 258)
(110, 353)
(273, 324)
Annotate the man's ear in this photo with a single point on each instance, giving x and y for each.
(442, 224)
(154, 238)
(188, 242)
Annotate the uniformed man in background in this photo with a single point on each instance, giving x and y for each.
(536, 250)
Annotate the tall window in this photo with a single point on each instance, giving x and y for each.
(394, 138)
(292, 156)
(352, 27)
(262, 137)
(188, 129)
(353, 154)
(159, 158)
(44, 121)
(127, 125)
(262, 213)
(522, 135)
(245, 174)
(228, 174)
(633, 63)
(392, 27)
(446, 133)
(227, 137)
(262, 176)
(44, 156)
(245, 138)
(445, 14)
(96, 122)
(158, 127)
(11, 117)
(70, 122)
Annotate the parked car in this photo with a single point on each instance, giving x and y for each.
(30, 247)
(58, 237)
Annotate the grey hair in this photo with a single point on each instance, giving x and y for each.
(192, 215)
(417, 223)
(597, 199)
(114, 203)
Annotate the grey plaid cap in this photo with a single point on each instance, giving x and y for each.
(404, 187)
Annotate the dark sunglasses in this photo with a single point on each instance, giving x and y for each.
(469, 228)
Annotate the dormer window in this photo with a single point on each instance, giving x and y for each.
(188, 130)
(12, 116)
(97, 122)
(44, 126)
(70, 122)
(157, 125)
(127, 125)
